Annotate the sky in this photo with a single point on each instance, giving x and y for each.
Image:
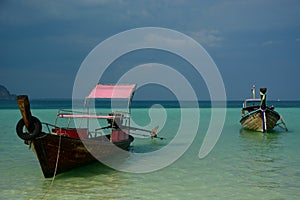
(43, 43)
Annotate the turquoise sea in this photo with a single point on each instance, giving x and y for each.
(242, 165)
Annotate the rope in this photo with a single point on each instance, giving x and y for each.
(57, 158)
(55, 170)
(282, 122)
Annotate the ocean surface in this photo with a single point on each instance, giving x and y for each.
(242, 164)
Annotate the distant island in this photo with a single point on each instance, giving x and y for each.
(5, 94)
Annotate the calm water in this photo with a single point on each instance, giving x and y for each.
(242, 165)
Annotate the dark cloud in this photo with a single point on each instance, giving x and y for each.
(44, 42)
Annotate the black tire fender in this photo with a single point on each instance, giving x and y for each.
(36, 128)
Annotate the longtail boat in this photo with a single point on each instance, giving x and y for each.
(62, 148)
(257, 116)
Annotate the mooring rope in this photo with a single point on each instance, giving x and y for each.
(57, 158)
(56, 166)
(282, 122)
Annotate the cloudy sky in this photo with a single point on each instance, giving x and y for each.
(43, 43)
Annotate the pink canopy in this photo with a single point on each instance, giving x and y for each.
(112, 91)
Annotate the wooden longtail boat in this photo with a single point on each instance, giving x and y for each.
(58, 154)
(63, 148)
(257, 116)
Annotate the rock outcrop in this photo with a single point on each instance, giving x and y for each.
(5, 94)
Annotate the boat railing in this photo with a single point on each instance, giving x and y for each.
(48, 127)
(71, 114)
(115, 119)
(62, 113)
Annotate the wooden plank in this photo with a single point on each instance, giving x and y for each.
(24, 107)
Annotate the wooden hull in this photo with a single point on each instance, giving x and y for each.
(64, 153)
(259, 120)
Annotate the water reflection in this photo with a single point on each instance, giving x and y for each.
(258, 136)
(94, 181)
(262, 158)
